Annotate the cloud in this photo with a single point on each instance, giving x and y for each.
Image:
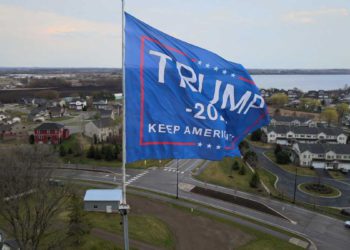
(313, 15)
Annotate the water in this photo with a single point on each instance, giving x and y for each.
(303, 82)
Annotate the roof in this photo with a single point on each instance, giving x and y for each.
(49, 126)
(105, 112)
(103, 195)
(283, 129)
(316, 148)
(290, 118)
(104, 123)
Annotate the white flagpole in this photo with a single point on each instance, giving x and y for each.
(124, 207)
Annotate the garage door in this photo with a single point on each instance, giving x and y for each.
(318, 164)
(282, 142)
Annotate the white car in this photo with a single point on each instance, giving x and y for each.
(347, 224)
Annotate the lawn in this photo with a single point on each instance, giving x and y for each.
(337, 175)
(259, 144)
(302, 171)
(268, 179)
(219, 173)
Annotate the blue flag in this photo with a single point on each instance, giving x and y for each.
(183, 101)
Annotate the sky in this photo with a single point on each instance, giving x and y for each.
(256, 33)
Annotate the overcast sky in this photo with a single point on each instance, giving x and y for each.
(255, 33)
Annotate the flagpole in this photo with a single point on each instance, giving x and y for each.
(124, 207)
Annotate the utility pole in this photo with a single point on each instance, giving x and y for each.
(123, 206)
(295, 183)
(177, 179)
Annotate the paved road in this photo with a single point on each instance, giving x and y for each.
(324, 231)
(286, 184)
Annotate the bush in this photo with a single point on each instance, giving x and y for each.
(282, 157)
(98, 154)
(243, 147)
(91, 152)
(62, 151)
(108, 153)
(70, 151)
(251, 157)
(255, 180)
(242, 170)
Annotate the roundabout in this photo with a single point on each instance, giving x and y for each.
(320, 190)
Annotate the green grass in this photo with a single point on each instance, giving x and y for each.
(337, 175)
(259, 144)
(268, 179)
(218, 173)
(146, 228)
(59, 119)
(302, 171)
(334, 191)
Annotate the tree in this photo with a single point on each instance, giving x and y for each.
(251, 157)
(279, 99)
(278, 148)
(329, 115)
(62, 151)
(242, 170)
(91, 152)
(31, 139)
(98, 154)
(255, 180)
(282, 157)
(78, 226)
(243, 146)
(342, 109)
(108, 153)
(309, 104)
(48, 94)
(116, 151)
(29, 204)
(234, 167)
(256, 135)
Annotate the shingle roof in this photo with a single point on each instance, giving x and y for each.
(290, 118)
(49, 126)
(316, 148)
(104, 123)
(282, 129)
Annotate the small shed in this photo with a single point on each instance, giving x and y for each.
(102, 200)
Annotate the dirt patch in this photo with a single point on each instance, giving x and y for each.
(191, 231)
(236, 200)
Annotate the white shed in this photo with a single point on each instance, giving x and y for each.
(102, 200)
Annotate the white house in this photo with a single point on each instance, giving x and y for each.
(101, 130)
(101, 104)
(289, 134)
(326, 156)
(77, 104)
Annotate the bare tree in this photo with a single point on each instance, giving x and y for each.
(28, 200)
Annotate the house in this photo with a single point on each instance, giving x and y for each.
(265, 93)
(325, 156)
(3, 117)
(118, 96)
(10, 245)
(292, 121)
(13, 131)
(50, 133)
(106, 114)
(55, 112)
(77, 104)
(286, 135)
(101, 130)
(101, 104)
(102, 200)
(311, 94)
(38, 114)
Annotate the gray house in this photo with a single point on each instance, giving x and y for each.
(102, 200)
(101, 130)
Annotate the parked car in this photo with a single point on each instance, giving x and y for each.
(345, 211)
(347, 224)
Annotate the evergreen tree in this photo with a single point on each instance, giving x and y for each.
(282, 157)
(91, 152)
(98, 155)
(278, 148)
(62, 151)
(242, 170)
(255, 180)
(108, 153)
(70, 151)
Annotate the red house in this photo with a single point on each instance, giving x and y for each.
(50, 133)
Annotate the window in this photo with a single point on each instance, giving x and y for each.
(95, 206)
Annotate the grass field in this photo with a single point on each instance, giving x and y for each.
(302, 171)
(337, 175)
(219, 173)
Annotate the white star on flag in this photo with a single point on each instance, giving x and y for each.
(209, 146)
(218, 147)
(216, 68)
(207, 65)
(200, 62)
(233, 75)
(224, 71)
(200, 144)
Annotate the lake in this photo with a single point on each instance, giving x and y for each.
(303, 82)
